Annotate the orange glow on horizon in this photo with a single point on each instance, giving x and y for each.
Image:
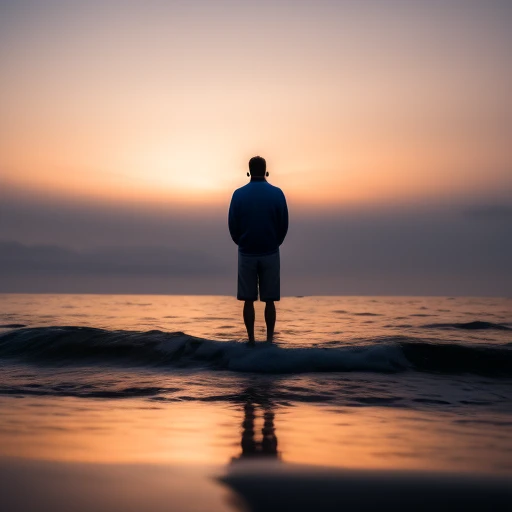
(154, 110)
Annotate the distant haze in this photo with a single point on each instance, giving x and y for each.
(126, 126)
(452, 250)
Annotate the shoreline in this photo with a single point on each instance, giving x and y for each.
(253, 486)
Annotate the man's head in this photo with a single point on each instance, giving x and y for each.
(257, 166)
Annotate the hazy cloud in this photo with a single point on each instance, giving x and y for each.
(440, 251)
(48, 260)
(500, 212)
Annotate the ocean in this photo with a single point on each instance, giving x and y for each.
(414, 385)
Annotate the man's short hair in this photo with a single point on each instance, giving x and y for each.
(257, 166)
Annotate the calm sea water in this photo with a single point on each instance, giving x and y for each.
(372, 382)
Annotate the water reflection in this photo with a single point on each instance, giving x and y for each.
(256, 398)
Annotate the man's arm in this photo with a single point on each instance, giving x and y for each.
(283, 219)
(233, 221)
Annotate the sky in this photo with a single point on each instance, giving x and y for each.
(125, 127)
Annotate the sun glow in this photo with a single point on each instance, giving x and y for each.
(168, 111)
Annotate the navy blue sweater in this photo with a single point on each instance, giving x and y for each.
(258, 218)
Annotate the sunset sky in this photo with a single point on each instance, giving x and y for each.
(128, 124)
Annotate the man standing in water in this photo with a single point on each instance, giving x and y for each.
(258, 223)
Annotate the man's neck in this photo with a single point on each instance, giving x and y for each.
(258, 178)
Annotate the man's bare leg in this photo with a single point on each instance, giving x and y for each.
(249, 316)
(270, 318)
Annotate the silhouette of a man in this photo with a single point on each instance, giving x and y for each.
(258, 223)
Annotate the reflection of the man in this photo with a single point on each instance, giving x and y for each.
(266, 447)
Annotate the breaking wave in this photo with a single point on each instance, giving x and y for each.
(88, 346)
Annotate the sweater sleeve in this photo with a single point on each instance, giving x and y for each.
(233, 223)
(283, 219)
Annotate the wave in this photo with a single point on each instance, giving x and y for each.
(476, 326)
(87, 345)
(91, 346)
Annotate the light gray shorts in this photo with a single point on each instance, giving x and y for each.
(261, 272)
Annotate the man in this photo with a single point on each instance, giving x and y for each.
(258, 223)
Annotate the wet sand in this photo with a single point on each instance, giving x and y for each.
(42, 486)
(60, 454)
